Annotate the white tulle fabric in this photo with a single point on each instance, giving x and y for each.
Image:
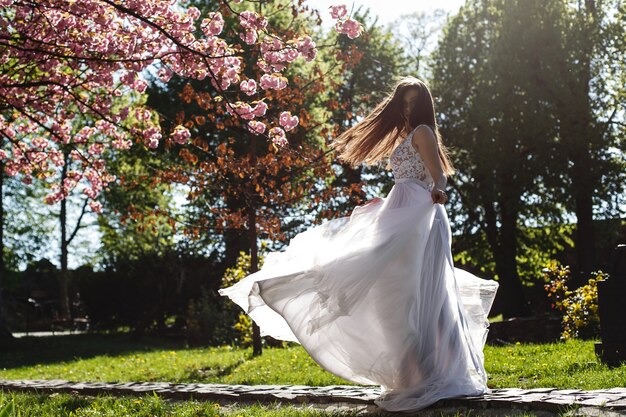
(375, 299)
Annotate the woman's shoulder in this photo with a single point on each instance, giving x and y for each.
(423, 129)
(421, 134)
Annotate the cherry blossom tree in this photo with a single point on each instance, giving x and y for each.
(63, 58)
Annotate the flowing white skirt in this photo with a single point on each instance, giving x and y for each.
(375, 299)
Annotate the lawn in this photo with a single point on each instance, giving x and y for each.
(116, 358)
(147, 406)
(65, 405)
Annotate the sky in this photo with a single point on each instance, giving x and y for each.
(389, 10)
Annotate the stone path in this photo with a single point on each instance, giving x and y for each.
(510, 401)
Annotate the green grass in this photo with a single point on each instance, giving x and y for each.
(561, 365)
(118, 359)
(61, 405)
(147, 406)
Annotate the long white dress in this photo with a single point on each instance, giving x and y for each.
(375, 298)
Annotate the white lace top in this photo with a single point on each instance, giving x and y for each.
(406, 162)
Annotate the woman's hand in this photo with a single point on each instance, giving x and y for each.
(439, 196)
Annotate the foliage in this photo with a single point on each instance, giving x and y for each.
(418, 33)
(234, 274)
(209, 321)
(66, 58)
(580, 306)
(482, 121)
(527, 141)
(26, 236)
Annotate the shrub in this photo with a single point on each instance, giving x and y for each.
(243, 326)
(580, 306)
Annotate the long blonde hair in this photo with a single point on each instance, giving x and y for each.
(375, 137)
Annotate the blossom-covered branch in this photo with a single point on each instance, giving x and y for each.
(66, 63)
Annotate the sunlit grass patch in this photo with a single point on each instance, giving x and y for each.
(572, 364)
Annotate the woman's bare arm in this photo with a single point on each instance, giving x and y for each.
(425, 142)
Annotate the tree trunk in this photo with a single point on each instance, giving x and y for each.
(257, 347)
(583, 187)
(510, 300)
(506, 267)
(580, 138)
(64, 303)
(4, 331)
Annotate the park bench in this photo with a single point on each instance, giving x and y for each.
(612, 310)
(72, 324)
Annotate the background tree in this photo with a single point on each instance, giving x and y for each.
(584, 99)
(240, 187)
(508, 133)
(418, 34)
(495, 123)
(52, 75)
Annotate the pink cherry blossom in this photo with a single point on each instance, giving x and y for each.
(152, 136)
(180, 134)
(96, 149)
(164, 74)
(193, 12)
(277, 135)
(273, 82)
(288, 121)
(260, 109)
(249, 36)
(213, 24)
(95, 206)
(54, 197)
(142, 114)
(124, 144)
(40, 143)
(350, 27)
(241, 109)
(251, 20)
(84, 54)
(338, 12)
(306, 46)
(140, 85)
(248, 87)
(256, 127)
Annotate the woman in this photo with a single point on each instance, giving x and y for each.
(374, 297)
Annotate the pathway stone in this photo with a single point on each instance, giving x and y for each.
(511, 401)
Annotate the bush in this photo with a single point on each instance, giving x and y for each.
(208, 322)
(579, 307)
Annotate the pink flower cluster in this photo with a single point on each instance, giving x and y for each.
(278, 137)
(288, 121)
(246, 111)
(248, 87)
(273, 82)
(180, 135)
(251, 23)
(75, 57)
(349, 26)
(213, 24)
(257, 127)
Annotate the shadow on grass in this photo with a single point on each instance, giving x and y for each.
(208, 374)
(28, 351)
